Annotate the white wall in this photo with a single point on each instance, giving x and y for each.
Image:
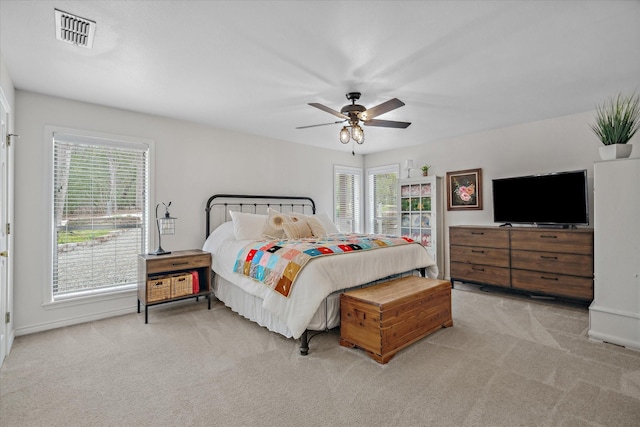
(554, 145)
(7, 86)
(192, 162)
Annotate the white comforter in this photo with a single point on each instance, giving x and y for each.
(319, 278)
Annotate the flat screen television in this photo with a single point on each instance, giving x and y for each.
(552, 199)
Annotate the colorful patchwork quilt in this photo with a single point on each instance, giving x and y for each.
(276, 263)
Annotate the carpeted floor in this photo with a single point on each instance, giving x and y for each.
(507, 361)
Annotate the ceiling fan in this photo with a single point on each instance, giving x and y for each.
(355, 113)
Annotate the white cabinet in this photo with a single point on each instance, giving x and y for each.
(614, 315)
(421, 214)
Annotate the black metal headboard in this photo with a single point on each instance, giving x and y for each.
(255, 204)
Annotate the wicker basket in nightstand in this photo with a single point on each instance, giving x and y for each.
(181, 285)
(158, 288)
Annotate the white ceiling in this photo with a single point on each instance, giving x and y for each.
(252, 66)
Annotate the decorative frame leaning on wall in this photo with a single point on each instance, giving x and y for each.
(464, 189)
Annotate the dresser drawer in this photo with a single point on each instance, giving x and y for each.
(573, 242)
(477, 273)
(479, 255)
(485, 237)
(178, 263)
(553, 262)
(553, 284)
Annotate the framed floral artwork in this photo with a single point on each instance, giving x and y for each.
(464, 189)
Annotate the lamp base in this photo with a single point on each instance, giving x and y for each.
(160, 251)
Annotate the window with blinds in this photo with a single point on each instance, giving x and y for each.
(382, 198)
(100, 210)
(347, 182)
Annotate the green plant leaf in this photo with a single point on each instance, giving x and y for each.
(617, 119)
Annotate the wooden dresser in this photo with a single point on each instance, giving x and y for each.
(480, 255)
(555, 262)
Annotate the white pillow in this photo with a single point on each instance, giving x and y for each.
(328, 224)
(248, 226)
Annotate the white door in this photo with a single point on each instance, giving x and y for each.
(4, 219)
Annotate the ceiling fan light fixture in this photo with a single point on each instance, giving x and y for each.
(344, 135)
(357, 134)
(354, 114)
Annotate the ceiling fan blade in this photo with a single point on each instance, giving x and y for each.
(386, 123)
(385, 107)
(328, 110)
(322, 124)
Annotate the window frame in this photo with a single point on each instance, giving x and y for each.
(370, 206)
(81, 297)
(358, 196)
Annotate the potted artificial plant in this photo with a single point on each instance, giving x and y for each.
(617, 120)
(425, 170)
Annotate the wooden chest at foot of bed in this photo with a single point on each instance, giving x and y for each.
(387, 317)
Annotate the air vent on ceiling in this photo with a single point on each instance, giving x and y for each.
(73, 29)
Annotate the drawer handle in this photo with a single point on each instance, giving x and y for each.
(477, 232)
(180, 263)
(548, 257)
(548, 237)
(477, 251)
(477, 268)
(549, 278)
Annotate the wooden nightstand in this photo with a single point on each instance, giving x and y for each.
(172, 277)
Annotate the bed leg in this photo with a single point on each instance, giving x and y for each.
(304, 343)
(423, 272)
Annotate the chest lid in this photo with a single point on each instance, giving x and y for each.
(395, 292)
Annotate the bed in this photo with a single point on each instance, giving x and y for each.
(313, 303)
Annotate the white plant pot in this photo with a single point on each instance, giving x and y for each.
(615, 151)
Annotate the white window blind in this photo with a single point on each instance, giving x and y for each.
(100, 207)
(347, 198)
(382, 197)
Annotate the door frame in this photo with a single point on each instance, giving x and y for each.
(6, 219)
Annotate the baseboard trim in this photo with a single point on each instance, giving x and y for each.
(611, 339)
(75, 320)
(614, 326)
(614, 311)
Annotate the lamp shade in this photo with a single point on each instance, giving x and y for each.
(166, 225)
(357, 134)
(408, 164)
(344, 135)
